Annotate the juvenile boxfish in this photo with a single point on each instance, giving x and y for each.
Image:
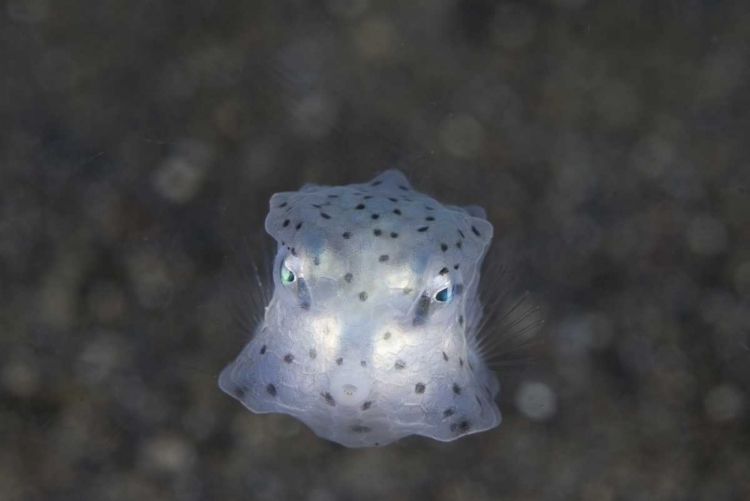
(371, 332)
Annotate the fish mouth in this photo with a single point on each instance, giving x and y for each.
(350, 388)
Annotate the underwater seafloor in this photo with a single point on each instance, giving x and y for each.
(141, 141)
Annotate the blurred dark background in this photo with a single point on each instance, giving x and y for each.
(608, 140)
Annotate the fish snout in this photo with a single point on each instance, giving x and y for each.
(350, 386)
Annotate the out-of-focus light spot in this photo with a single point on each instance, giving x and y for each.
(106, 301)
(180, 176)
(56, 299)
(717, 306)
(20, 377)
(461, 135)
(321, 494)
(576, 179)
(579, 334)
(707, 235)
(724, 403)
(536, 401)
(100, 357)
(514, 26)
(569, 4)
(617, 105)
(167, 454)
(721, 74)
(27, 11)
(150, 279)
(742, 279)
(314, 116)
(684, 184)
(652, 156)
(347, 9)
(376, 38)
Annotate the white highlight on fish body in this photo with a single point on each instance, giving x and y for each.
(370, 334)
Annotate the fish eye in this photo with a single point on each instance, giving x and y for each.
(444, 295)
(287, 275)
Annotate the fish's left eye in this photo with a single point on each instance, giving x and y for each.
(287, 275)
(444, 295)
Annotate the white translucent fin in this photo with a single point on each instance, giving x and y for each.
(249, 280)
(511, 322)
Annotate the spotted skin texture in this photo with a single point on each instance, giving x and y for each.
(369, 336)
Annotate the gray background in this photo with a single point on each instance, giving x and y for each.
(608, 141)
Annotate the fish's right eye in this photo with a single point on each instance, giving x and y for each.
(287, 275)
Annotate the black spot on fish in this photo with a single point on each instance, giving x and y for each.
(299, 225)
(445, 357)
(282, 205)
(460, 320)
(263, 350)
(316, 261)
(475, 231)
(459, 244)
(400, 364)
(455, 266)
(423, 229)
(339, 361)
(461, 426)
(456, 388)
(397, 212)
(394, 234)
(363, 296)
(383, 258)
(360, 207)
(387, 335)
(348, 277)
(377, 232)
(443, 247)
(402, 187)
(375, 216)
(329, 399)
(324, 215)
(363, 363)
(271, 389)
(366, 405)
(288, 358)
(313, 353)
(429, 218)
(449, 412)
(358, 428)
(347, 235)
(286, 223)
(419, 388)
(376, 183)
(422, 310)
(443, 271)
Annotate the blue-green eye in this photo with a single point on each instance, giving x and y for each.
(444, 295)
(287, 275)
